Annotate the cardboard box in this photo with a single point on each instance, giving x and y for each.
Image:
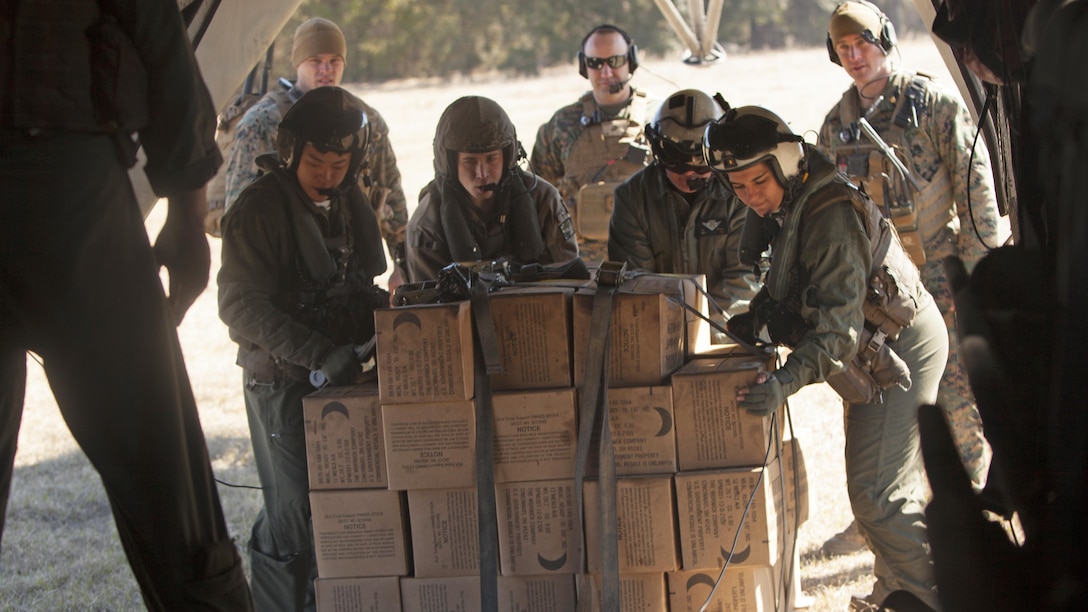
(537, 533)
(638, 593)
(686, 288)
(647, 343)
(357, 594)
(344, 444)
(430, 446)
(711, 431)
(795, 483)
(532, 326)
(646, 525)
(742, 589)
(445, 532)
(535, 435)
(425, 353)
(643, 432)
(359, 533)
(458, 594)
(710, 507)
(550, 593)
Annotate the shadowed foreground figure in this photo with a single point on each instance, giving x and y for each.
(79, 283)
(1021, 317)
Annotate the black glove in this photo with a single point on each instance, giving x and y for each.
(743, 326)
(763, 399)
(341, 366)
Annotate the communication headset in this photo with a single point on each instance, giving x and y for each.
(632, 48)
(887, 39)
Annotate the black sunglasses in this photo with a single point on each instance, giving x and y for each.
(613, 62)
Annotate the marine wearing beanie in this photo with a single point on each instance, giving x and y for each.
(315, 37)
(859, 18)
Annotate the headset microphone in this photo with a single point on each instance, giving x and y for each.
(698, 183)
(615, 88)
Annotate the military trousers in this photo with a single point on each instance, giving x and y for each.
(80, 287)
(281, 546)
(885, 476)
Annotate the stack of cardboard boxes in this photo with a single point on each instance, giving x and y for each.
(393, 473)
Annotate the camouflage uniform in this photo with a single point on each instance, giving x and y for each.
(939, 138)
(624, 151)
(256, 134)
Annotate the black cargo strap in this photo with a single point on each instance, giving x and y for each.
(593, 418)
(752, 349)
(487, 363)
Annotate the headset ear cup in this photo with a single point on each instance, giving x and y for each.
(632, 58)
(582, 70)
(887, 35)
(832, 54)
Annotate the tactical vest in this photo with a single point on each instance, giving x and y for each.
(603, 156)
(920, 217)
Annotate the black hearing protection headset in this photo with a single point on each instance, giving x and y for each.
(632, 48)
(887, 38)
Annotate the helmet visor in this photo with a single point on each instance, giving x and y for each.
(681, 159)
(730, 145)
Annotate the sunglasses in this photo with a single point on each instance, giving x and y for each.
(613, 62)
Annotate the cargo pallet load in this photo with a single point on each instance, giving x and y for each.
(638, 512)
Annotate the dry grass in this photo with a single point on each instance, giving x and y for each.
(60, 548)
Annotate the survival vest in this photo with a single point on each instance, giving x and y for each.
(330, 288)
(890, 304)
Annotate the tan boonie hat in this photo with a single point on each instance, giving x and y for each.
(315, 37)
(855, 18)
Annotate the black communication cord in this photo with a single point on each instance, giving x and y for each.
(986, 106)
(238, 486)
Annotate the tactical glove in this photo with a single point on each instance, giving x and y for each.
(743, 326)
(763, 399)
(341, 366)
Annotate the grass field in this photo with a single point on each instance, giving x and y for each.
(60, 548)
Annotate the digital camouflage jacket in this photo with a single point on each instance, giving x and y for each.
(939, 139)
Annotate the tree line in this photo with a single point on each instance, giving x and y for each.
(395, 39)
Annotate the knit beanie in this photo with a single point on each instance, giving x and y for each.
(854, 18)
(315, 37)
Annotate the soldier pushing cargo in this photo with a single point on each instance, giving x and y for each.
(301, 249)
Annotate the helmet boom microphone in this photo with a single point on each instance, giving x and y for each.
(615, 88)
